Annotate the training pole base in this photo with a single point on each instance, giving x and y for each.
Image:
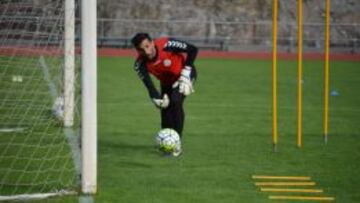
(275, 148)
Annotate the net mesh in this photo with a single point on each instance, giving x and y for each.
(35, 153)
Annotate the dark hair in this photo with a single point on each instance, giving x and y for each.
(138, 38)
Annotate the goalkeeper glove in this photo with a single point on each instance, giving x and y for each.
(162, 103)
(184, 82)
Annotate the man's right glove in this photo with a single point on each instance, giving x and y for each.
(184, 82)
(162, 103)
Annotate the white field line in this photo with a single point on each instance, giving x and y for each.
(10, 130)
(38, 196)
(70, 134)
(86, 199)
(52, 88)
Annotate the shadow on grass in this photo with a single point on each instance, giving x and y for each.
(131, 155)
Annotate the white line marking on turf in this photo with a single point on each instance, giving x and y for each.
(72, 136)
(86, 199)
(73, 141)
(10, 130)
(47, 77)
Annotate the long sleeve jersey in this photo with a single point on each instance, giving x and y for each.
(171, 57)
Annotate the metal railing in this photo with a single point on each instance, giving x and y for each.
(215, 35)
(225, 35)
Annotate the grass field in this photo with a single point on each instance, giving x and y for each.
(35, 156)
(227, 135)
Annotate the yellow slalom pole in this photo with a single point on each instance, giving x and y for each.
(300, 80)
(286, 197)
(274, 76)
(281, 177)
(326, 71)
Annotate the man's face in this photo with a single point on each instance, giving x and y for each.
(147, 48)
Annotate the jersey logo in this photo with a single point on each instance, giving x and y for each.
(167, 62)
(176, 44)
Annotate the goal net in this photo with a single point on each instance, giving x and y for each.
(39, 99)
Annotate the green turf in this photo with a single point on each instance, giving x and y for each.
(227, 135)
(38, 158)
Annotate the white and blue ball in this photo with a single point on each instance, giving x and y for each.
(167, 139)
(58, 108)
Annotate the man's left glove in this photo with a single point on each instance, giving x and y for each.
(184, 82)
(162, 103)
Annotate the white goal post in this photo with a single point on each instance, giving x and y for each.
(48, 98)
(89, 109)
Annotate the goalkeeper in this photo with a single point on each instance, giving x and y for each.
(172, 62)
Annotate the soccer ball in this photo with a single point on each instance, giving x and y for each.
(167, 139)
(58, 108)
